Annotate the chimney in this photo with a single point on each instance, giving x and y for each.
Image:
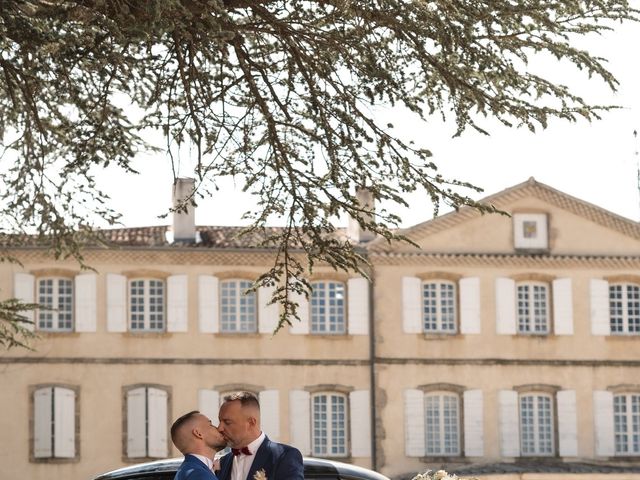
(184, 221)
(354, 231)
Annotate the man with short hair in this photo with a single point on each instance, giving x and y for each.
(198, 440)
(252, 451)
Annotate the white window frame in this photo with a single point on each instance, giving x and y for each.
(436, 438)
(536, 449)
(147, 304)
(331, 449)
(53, 309)
(234, 321)
(442, 325)
(56, 453)
(325, 304)
(530, 318)
(623, 434)
(621, 323)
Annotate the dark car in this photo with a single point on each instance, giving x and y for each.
(314, 468)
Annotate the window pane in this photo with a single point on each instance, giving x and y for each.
(533, 308)
(328, 308)
(237, 308)
(439, 307)
(536, 425)
(442, 424)
(329, 413)
(57, 295)
(624, 308)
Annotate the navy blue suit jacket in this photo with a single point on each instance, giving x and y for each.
(279, 462)
(194, 469)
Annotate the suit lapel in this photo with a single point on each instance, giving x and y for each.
(225, 467)
(262, 457)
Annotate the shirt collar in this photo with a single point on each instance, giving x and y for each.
(207, 461)
(255, 445)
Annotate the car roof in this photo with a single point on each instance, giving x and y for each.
(312, 466)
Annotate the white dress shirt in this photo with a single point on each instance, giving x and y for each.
(207, 461)
(242, 463)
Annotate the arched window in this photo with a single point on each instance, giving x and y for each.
(55, 293)
(147, 305)
(54, 423)
(439, 306)
(329, 424)
(328, 308)
(237, 307)
(624, 308)
(533, 307)
(442, 423)
(147, 422)
(626, 423)
(536, 424)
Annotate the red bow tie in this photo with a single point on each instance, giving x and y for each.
(243, 450)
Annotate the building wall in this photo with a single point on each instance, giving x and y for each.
(102, 364)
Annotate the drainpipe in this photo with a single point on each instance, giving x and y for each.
(372, 376)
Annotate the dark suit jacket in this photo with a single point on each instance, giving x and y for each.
(194, 469)
(279, 461)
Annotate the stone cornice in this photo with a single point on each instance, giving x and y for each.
(504, 260)
(507, 362)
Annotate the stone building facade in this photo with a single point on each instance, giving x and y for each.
(501, 340)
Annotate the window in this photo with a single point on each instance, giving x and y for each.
(237, 307)
(533, 308)
(147, 409)
(439, 306)
(147, 311)
(530, 231)
(442, 424)
(329, 425)
(54, 423)
(57, 295)
(624, 307)
(626, 422)
(536, 425)
(328, 308)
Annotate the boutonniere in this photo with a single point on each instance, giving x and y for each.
(260, 475)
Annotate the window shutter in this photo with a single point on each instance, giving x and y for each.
(473, 423)
(24, 290)
(268, 314)
(64, 423)
(360, 416)
(509, 423)
(358, 316)
(469, 305)
(567, 423)
(136, 421)
(116, 303)
(562, 306)
(86, 302)
(177, 303)
(270, 413)
(600, 322)
(412, 305)
(42, 445)
(209, 403)
(414, 431)
(603, 416)
(158, 440)
(300, 420)
(300, 327)
(208, 304)
(505, 306)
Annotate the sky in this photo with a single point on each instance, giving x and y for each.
(596, 162)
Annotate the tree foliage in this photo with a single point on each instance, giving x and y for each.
(277, 93)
